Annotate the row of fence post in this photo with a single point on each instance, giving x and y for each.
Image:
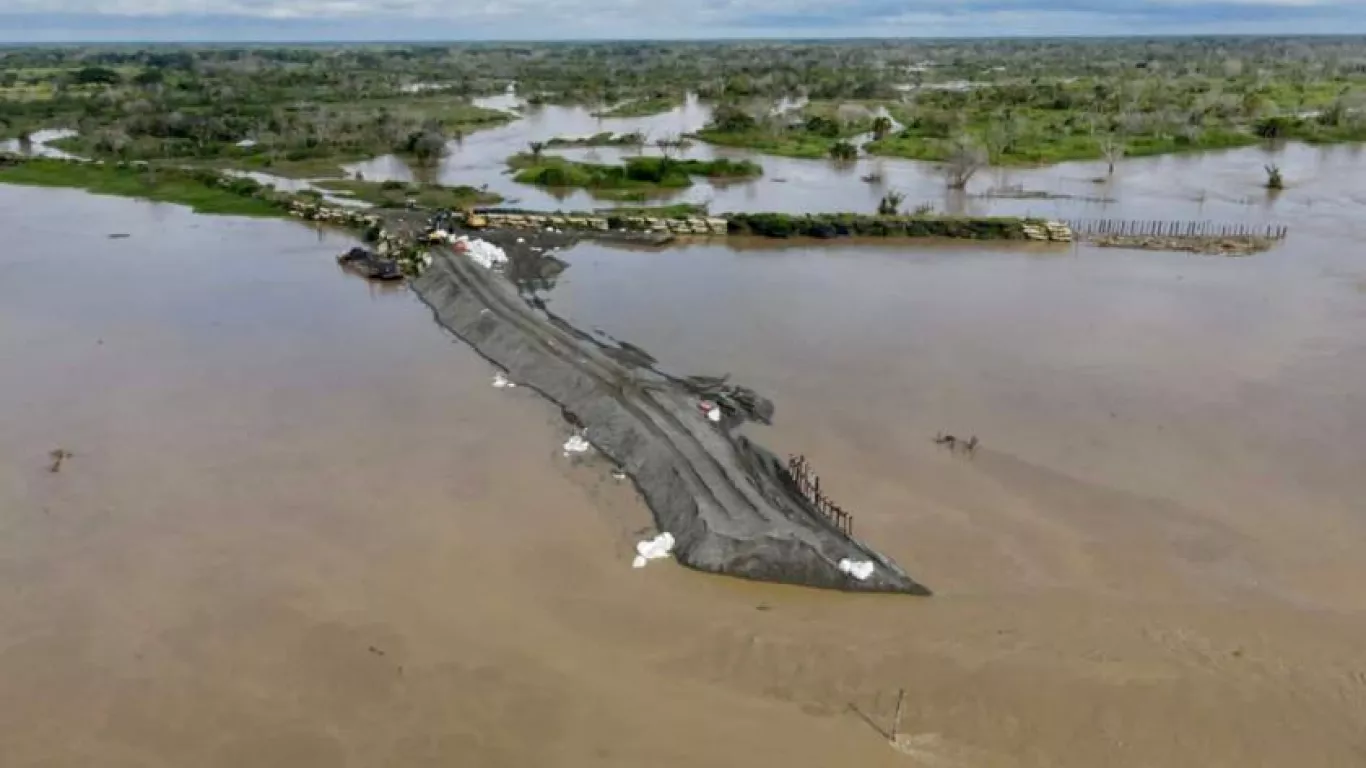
(809, 484)
(1141, 228)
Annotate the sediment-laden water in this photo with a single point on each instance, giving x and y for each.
(299, 527)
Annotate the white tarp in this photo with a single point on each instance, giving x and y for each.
(659, 547)
(859, 569)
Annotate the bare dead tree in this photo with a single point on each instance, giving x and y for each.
(1112, 149)
(964, 160)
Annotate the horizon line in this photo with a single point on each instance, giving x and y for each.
(752, 38)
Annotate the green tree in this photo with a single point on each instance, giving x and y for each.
(890, 204)
(882, 125)
(730, 118)
(96, 75)
(844, 151)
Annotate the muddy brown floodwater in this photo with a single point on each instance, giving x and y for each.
(298, 527)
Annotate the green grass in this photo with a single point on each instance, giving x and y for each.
(817, 127)
(793, 144)
(604, 139)
(1045, 148)
(830, 110)
(827, 225)
(396, 194)
(327, 164)
(307, 168)
(27, 92)
(201, 191)
(655, 105)
(638, 174)
(672, 211)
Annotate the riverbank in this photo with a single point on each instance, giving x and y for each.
(204, 191)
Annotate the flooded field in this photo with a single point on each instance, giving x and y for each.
(1220, 186)
(300, 528)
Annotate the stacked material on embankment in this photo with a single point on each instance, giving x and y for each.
(782, 225)
(729, 504)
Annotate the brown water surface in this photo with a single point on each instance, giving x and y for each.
(299, 528)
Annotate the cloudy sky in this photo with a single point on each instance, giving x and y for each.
(273, 20)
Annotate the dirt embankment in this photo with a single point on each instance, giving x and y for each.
(730, 504)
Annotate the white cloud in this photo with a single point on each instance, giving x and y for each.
(541, 19)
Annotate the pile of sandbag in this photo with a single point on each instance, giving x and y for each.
(481, 252)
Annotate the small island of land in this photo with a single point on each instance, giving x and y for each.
(638, 175)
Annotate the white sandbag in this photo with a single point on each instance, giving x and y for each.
(501, 381)
(575, 444)
(657, 548)
(859, 569)
(482, 252)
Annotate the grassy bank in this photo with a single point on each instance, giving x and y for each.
(203, 191)
(781, 144)
(781, 225)
(397, 194)
(672, 211)
(638, 174)
(1046, 147)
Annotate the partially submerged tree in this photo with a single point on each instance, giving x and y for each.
(1112, 149)
(1274, 180)
(667, 146)
(890, 203)
(537, 149)
(964, 160)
